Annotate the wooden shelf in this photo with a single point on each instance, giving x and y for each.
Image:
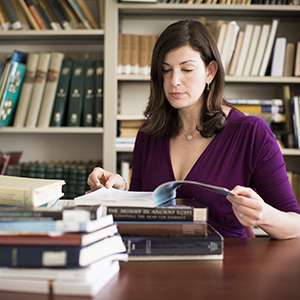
(56, 130)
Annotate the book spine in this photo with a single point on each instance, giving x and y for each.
(26, 90)
(36, 14)
(4, 21)
(57, 14)
(12, 16)
(157, 214)
(60, 102)
(38, 89)
(80, 14)
(156, 246)
(50, 89)
(89, 95)
(11, 92)
(87, 13)
(32, 21)
(75, 99)
(99, 93)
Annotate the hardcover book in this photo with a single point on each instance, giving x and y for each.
(143, 248)
(99, 93)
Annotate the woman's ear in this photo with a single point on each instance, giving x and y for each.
(211, 71)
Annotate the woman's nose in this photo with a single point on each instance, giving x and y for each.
(176, 78)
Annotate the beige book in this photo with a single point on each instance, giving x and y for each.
(50, 89)
(237, 52)
(144, 54)
(297, 60)
(26, 90)
(20, 14)
(152, 42)
(33, 23)
(38, 89)
(289, 62)
(135, 54)
(87, 12)
(126, 53)
(221, 36)
(214, 28)
(120, 54)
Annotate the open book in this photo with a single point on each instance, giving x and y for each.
(160, 196)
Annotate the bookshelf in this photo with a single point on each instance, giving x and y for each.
(142, 18)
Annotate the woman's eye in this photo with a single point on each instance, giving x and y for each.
(187, 70)
(166, 70)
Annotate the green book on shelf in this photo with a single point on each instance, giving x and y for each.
(75, 98)
(61, 97)
(99, 93)
(89, 94)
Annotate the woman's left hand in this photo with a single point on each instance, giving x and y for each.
(248, 206)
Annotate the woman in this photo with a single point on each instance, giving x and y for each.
(192, 133)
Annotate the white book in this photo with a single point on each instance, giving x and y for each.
(26, 90)
(244, 51)
(38, 89)
(269, 47)
(278, 60)
(229, 44)
(57, 287)
(221, 36)
(252, 49)
(32, 192)
(260, 49)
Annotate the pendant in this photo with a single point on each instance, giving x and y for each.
(189, 137)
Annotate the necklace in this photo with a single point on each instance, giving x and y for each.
(189, 136)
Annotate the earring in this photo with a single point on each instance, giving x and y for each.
(207, 87)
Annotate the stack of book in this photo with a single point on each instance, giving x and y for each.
(154, 227)
(59, 250)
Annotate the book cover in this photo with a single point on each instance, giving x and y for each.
(134, 54)
(61, 97)
(144, 66)
(22, 17)
(126, 53)
(48, 99)
(4, 20)
(47, 11)
(70, 14)
(38, 89)
(61, 240)
(86, 11)
(297, 60)
(289, 62)
(80, 14)
(174, 213)
(245, 48)
(260, 49)
(36, 15)
(26, 89)
(99, 93)
(10, 96)
(88, 114)
(4, 160)
(32, 21)
(236, 53)
(43, 15)
(144, 228)
(251, 52)
(176, 247)
(278, 59)
(23, 191)
(269, 47)
(53, 256)
(12, 16)
(75, 98)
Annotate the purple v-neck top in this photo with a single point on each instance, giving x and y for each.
(244, 153)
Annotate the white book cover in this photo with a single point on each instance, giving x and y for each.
(252, 49)
(260, 49)
(278, 60)
(269, 47)
(245, 48)
(221, 36)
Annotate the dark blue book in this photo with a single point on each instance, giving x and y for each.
(141, 248)
(52, 256)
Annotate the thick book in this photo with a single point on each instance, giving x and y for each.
(65, 239)
(289, 62)
(61, 97)
(12, 16)
(62, 210)
(38, 89)
(31, 4)
(162, 195)
(269, 48)
(32, 21)
(48, 99)
(157, 214)
(22, 191)
(144, 228)
(75, 97)
(11, 91)
(143, 248)
(59, 226)
(26, 89)
(99, 93)
(88, 117)
(53, 256)
(89, 287)
(278, 59)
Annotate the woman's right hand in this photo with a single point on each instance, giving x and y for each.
(101, 178)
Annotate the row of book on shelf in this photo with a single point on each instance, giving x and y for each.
(75, 246)
(42, 89)
(256, 49)
(231, 2)
(48, 14)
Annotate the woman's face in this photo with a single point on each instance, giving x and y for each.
(185, 77)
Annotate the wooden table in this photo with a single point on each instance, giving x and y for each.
(254, 269)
